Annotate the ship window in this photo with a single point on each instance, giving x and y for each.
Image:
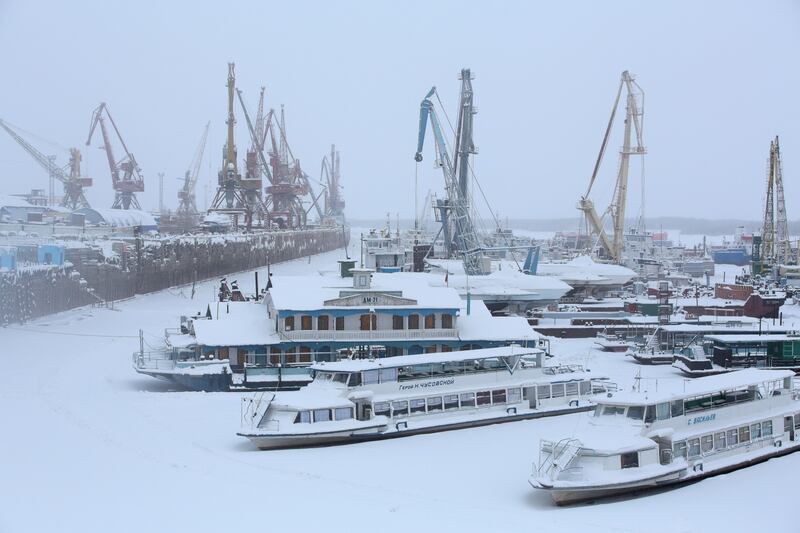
(274, 356)
(586, 387)
(339, 323)
(572, 388)
(413, 321)
(399, 408)
(610, 410)
(323, 322)
(370, 377)
(677, 408)
(733, 437)
(720, 441)
(435, 403)
(755, 430)
(305, 354)
(499, 396)
(484, 397)
(662, 411)
(430, 321)
(707, 443)
(381, 408)
(543, 391)
(388, 374)
(291, 356)
(340, 377)
(397, 322)
(694, 447)
(446, 348)
(447, 321)
(797, 421)
(451, 401)
(355, 380)
(636, 412)
(468, 399)
(303, 417)
(558, 390)
(649, 414)
(629, 460)
(322, 415)
(744, 434)
(679, 449)
(766, 428)
(344, 413)
(305, 322)
(418, 405)
(514, 395)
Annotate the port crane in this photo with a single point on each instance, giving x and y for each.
(69, 176)
(460, 235)
(634, 115)
(331, 177)
(775, 245)
(187, 206)
(126, 176)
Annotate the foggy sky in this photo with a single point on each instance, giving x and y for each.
(721, 80)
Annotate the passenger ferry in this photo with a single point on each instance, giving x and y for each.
(350, 401)
(642, 440)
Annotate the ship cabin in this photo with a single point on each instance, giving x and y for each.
(309, 319)
(376, 391)
(769, 350)
(639, 433)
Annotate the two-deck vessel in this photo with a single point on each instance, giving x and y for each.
(642, 440)
(350, 401)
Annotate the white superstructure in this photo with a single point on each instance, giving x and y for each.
(640, 440)
(366, 399)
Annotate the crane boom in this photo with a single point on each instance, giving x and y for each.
(188, 203)
(74, 195)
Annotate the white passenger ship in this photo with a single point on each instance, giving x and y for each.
(356, 400)
(641, 440)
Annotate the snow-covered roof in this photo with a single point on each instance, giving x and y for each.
(121, 218)
(358, 365)
(480, 324)
(301, 293)
(239, 324)
(669, 390)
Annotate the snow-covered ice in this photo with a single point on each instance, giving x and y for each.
(89, 445)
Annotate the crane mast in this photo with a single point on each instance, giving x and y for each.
(461, 238)
(775, 245)
(634, 114)
(130, 181)
(74, 195)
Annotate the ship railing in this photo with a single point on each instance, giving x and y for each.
(556, 458)
(155, 360)
(253, 409)
(600, 386)
(561, 369)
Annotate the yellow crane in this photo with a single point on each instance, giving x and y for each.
(634, 115)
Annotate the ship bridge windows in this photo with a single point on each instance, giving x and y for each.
(636, 412)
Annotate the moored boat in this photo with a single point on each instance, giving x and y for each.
(642, 440)
(350, 401)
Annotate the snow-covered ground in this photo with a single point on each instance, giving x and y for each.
(89, 445)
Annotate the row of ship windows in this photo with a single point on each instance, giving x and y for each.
(448, 402)
(369, 322)
(722, 440)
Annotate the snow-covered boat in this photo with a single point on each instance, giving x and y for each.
(652, 356)
(611, 343)
(641, 440)
(356, 400)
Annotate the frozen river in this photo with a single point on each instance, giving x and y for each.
(89, 445)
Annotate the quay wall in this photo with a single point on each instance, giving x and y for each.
(120, 269)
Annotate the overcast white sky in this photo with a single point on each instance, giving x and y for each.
(721, 79)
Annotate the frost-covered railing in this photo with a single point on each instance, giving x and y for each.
(371, 335)
(253, 409)
(557, 457)
(157, 360)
